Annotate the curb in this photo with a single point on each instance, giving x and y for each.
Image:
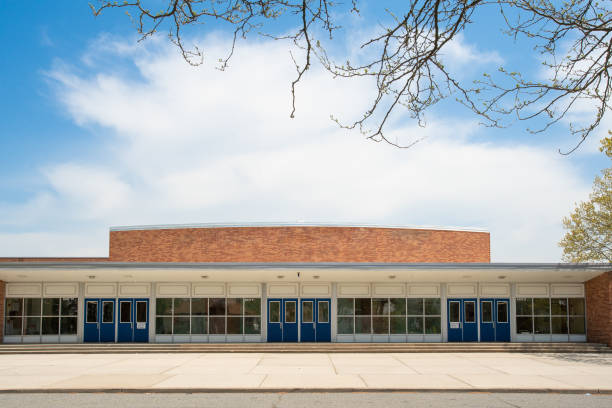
(302, 390)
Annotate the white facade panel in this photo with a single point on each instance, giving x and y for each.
(461, 289)
(316, 289)
(423, 290)
(353, 289)
(495, 290)
(134, 289)
(244, 290)
(567, 290)
(60, 289)
(23, 289)
(388, 289)
(531, 289)
(208, 289)
(100, 289)
(283, 290)
(172, 289)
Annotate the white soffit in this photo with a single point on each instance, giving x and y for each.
(23, 290)
(134, 289)
(528, 290)
(315, 289)
(282, 290)
(354, 290)
(100, 290)
(567, 290)
(461, 289)
(244, 290)
(61, 289)
(389, 289)
(495, 290)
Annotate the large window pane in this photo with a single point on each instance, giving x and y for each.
(470, 311)
(50, 325)
(345, 325)
(91, 312)
(217, 325)
(234, 307)
(181, 325)
(523, 307)
(398, 306)
(290, 311)
(398, 325)
(454, 312)
(362, 306)
(252, 325)
(32, 325)
(432, 306)
(345, 307)
(14, 307)
(216, 306)
(69, 306)
(323, 312)
(181, 307)
(415, 325)
(199, 325)
(51, 306)
(486, 311)
(252, 307)
(541, 307)
(524, 325)
(163, 307)
(576, 325)
(13, 326)
(108, 311)
(274, 311)
(559, 325)
(199, 306)
(558, 307)
(502, 312)
(415, 306)
(541, 325)
(380, 325)
(125, 311)
(163, 325)
(32, 307)
(380, 307)
(432, 325)
(362, 325)
(576, 306)
(68, 325)
(234, 325)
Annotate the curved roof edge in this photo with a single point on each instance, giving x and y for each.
(297, 224)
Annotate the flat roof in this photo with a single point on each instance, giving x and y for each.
(296, 224)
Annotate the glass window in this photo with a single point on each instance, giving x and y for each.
(125, 311)
(216, 306)
(32, 307)
(576, 324)
(252, 325)
(181, 324)
(51, 306)
(345, 307)
(362, 306)
(50, 325)
(234, 307)
(307, 312)
(92, 312)
(181, 306)
(558, 307)
(252, 307)
(70, 306)
(397, 325)
(163, 325)
(345, 325)
(199, 325)
(108, 311)
(398, 306)
(141, 312)
(415, 306)
(486, 311)
(502, 312)
(32, 325)
(524, 307)
(576, 306)
(274, 312)
(454, 314)
(415, 325)
(363, 325)
(13, 326)
(432, 325)
(559, 325)
(199, 306)
(68, 325)
(541, 307)
(470, 312)
(323, 316)
(524, 324)
(234, 325)
(380, 307)
(432, 306)
(217, 325)
(380, 325)
(290, 311)
(163, 307)
(541, 325)
(14, 307)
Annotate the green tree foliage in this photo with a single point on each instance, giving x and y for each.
(589, 227)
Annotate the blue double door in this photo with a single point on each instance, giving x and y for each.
(464, 320)
(133, 323)
(102, 321)
(292, 320)
(99, 326)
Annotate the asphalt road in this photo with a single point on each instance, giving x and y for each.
(308, 400)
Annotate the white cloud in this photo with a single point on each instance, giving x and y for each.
(198, 145)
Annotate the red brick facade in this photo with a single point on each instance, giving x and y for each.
(599, 308)
(298, 244)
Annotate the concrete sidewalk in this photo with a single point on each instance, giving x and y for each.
(507, 372)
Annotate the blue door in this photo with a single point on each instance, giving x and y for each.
(133, 325)
(99, 323)
(462, 324)
(323, 321)
(494, 320)
(315, 325)
(282, 320)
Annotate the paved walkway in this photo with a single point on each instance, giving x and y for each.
(340, 372)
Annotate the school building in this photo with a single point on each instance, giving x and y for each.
(301, 283)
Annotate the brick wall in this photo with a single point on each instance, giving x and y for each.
(599, 308)
(2, 294)
(298, 244)
(52, 259)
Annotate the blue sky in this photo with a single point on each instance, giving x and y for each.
(99, 130)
